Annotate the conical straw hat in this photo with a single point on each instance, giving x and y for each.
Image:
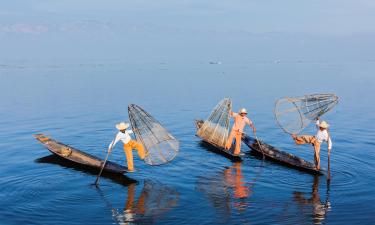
(122, 126)
(324, 125)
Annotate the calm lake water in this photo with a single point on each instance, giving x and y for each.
(78, 104)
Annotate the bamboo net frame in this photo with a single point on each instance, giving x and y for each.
(295, 114)
(216, 128)
(160, 146)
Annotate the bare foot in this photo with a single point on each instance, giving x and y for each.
(294, 136)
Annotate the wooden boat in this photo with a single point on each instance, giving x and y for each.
(218, 149)
(71, 154)
(279, 156)
(54, 159)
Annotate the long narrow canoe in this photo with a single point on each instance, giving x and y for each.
(74, 155)
(279, 156)
(218, 149)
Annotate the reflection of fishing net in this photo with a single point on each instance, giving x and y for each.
(217, 193)
(158, 198)
(215, 128)
(294, 114)
(152, 203)
(159, 144)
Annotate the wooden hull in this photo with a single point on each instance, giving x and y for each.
(215, 148)
(71, 154)
(279, 156)
(54, 159)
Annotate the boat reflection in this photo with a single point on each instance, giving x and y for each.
(153, 202)
(227, 190)
(319, 209)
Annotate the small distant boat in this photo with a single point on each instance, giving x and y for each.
(216, 148)
(279, 156)
(71, 154)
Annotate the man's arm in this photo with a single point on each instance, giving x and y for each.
(317, 122)
(329, 145)
(251, 124)
(113, 143)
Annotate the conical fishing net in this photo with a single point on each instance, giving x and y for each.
(295, 114)
(160, 145)
(216, 128)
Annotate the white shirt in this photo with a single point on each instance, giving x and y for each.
(323, 136)
(124, 137)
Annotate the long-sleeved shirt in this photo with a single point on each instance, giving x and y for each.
(124, 137)
(323, 136)
(240, 122)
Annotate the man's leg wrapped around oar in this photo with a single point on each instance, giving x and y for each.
(128, 149)
(308, 139)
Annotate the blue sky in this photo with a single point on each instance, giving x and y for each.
(187, 30)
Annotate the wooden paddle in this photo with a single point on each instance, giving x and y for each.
(260, 146)
(329, 168)
(329, 160)
(105, 161)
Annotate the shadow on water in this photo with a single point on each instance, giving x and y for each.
(214, 149)
(152, 203)
(228, 190)
(117, 178)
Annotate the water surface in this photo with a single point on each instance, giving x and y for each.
(79, 104)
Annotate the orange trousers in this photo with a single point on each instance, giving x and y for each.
(234, 134)
(307, 139)
(128, 149)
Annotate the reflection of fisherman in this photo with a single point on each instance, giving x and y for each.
(154, 200)
(316, 141)
(319, 209)
(129, 144)
(240, 120)
(235, 180)
(130, 210)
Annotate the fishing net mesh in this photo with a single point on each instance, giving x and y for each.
(295, 114)
(215, 128)
(161, 147)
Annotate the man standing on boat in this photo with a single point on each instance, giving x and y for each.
(129, 144)
(240, 120)
(316, 141)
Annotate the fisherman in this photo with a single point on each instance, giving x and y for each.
(316, 141)
(240, 120)
(129, 144)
